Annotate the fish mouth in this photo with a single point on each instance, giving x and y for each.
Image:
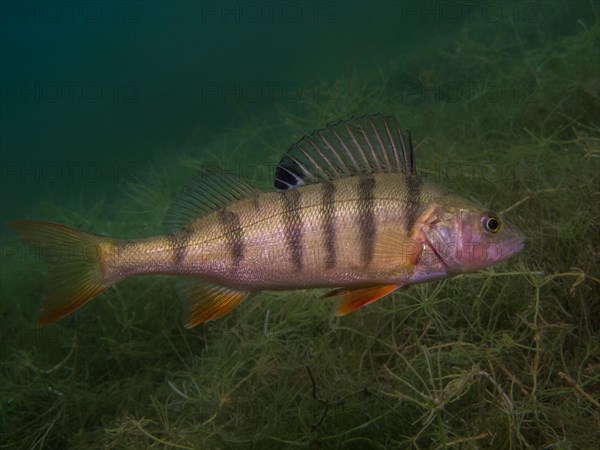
(515, 245)
(519, 243)
(510, 248)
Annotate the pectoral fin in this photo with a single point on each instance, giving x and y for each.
(352, 299)
(397, 249)
(205, 301)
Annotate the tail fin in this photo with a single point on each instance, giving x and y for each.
(75, 274)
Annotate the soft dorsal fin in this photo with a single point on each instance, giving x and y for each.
(209, 190)
(359, 146)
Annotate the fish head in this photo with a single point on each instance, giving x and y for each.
(467, 238)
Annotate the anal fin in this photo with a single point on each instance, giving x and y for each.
(352, 299)
(204, 301)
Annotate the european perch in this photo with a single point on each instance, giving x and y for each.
(349, 212)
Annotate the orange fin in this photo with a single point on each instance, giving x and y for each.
(397, 249)
(204, 301)
(352, 299)
(75, 270)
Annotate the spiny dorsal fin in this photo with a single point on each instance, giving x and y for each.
(359, 146)
(209, 190)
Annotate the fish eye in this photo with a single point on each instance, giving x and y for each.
(491, 223)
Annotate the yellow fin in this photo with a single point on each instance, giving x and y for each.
(205, 301)
(75, 270)
(352, 299)
(397, 249)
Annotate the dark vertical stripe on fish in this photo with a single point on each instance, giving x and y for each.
(123, 245)
(123, 248)
(256, 203)
(234, 235)
(329, 227)
(413, 201)
(292, 223)
(366, 218)
(181, 244)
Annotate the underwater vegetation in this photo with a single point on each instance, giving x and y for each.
(507, 357)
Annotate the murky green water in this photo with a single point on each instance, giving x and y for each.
(107, 108)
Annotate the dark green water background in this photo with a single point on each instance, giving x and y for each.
(90, 89)
(98, 95)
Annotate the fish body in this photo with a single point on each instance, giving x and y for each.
(318, 235)
(350, 212)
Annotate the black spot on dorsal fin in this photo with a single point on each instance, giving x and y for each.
(288, 175)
